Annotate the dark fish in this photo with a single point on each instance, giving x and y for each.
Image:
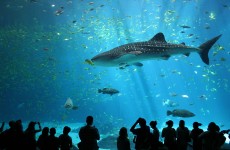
(156, 48)
(185, 26)
(110, 91)
(45, 48)
(207, 27)
(59, 11)
(222, 59)
(180, 113)
(138, 64)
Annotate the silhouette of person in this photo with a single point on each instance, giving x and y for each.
(8, 137)
(196, 131)
(210, 138)
(221, 137)
(123, 142)
(182, 134)
(30, 133)
(12, 138)
(142, 134)
(154, 135)
(54, 143)
(88, 135)
(169, 135)
(43, 141)
(65, 139)
(19, 141)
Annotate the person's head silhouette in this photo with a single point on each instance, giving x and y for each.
(89, 120)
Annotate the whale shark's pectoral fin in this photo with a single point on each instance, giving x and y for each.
(187, 54)
(165, 57)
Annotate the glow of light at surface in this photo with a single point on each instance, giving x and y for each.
(227, 138)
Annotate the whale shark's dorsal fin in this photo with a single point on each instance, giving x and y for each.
(159, 37)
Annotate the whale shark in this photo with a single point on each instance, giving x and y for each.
(155, 48)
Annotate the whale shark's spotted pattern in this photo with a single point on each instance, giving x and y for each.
(156, 48)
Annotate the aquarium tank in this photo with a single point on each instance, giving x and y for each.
(172, 63)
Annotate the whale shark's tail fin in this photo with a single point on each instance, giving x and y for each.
(205, 47)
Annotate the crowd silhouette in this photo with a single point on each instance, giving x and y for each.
(177, 139)
(145, 137)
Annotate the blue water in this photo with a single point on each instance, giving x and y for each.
(43, 61)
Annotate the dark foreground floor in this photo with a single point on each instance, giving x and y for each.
(224, 147)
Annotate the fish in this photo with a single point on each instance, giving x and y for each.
(173, 94)
(109, 91)
(69, 104)
(155, 48)
(89, 62)
(184, 26)
(190, 35)
(59, 11)
(203, 97)
(180, 113)
(20, 105)
(170, 103)
(185, 96)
